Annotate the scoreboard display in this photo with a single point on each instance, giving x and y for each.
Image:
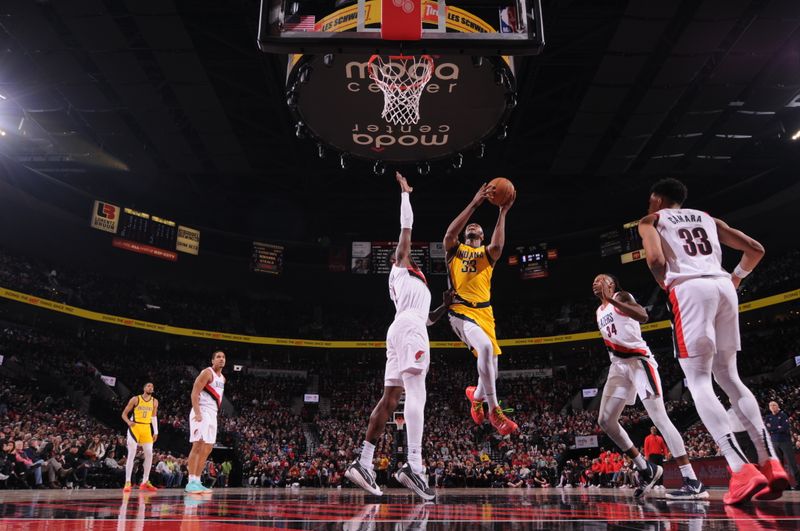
(376, 257)
(145, 228)
(382, 253)
(632, 247)
(267, 258)
(532, 261)
(625, 242)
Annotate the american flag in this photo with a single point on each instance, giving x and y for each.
(301, 23)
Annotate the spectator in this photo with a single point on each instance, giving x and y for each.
(780, 430)
(655, 450)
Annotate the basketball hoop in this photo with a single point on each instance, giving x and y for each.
(401, 79)
(400, 422)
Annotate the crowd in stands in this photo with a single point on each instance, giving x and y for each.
(49, 438)
(323, 320)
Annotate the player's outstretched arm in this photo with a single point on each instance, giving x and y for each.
(495, 248)
(458, 224)
(447, 301)
(736, 239)
(126, 413)
(200, 382)
(403, 250)
(651, 241)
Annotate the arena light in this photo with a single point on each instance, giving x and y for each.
(2, 133)
(796, 136)
(3, 97)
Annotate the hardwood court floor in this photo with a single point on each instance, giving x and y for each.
(351, 510)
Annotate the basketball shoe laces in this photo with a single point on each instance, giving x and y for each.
(500, 411)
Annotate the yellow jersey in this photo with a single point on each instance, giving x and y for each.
(470, 271)
(471, 274)
(143, 412)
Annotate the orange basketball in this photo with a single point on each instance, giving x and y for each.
(503, 191)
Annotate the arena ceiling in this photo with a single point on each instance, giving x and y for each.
(169, 105)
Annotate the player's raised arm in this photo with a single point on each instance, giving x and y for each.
(495, 248)
(447, 301)
(126, 413)
(403, 250)
(203, 379)
(458, 224)
(651, 241)
(736, 239)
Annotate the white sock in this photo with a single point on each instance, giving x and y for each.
(195, 479)
(130, 462)
(367, 453)
(640, 462)
(148, 462)
(414, 413)
(743, 402)
(687, 471)
(487, 368)
(415, 458)
(733, 454)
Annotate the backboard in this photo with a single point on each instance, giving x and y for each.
(338, 100)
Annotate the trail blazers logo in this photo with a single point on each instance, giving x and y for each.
(105, 216)
(418, 355)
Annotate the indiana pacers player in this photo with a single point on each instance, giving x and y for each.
(470, 266)
(142, 431)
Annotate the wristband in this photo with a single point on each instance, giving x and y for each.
(740, 272)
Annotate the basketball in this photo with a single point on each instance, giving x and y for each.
(503, 191)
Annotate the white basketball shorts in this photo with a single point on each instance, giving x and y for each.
(407, 349)
(629, 377)
(206, 429)
(705, 317)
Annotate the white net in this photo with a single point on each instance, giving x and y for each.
(401, 78)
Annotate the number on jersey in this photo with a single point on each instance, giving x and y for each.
(695, 241)
(611, 329)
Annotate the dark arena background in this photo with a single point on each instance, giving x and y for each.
(181, 177)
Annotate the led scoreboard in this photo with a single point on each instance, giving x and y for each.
(148, 229)
(626, 243)
(144, 233)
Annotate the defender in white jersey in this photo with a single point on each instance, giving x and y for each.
(684, 253)
(633, 372)
(407, 362)
(207, 392)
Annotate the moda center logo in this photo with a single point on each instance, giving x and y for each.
(444, 79)
(341, 106)
(379, 137)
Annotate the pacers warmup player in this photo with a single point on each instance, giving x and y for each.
(684, 253)
(142, 431)
(633, 372)
(407, 362)
(207, 392)
(470, 266)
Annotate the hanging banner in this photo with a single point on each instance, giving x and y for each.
(188, 240)
(586, 441)
(105, 216)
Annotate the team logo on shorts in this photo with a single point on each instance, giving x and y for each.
(419, 355)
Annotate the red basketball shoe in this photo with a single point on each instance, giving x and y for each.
(777, 478)
(744, 484)
(501, 423)
(476, 406)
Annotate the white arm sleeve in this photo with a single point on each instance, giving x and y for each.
(406, 214)
(154, 423)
